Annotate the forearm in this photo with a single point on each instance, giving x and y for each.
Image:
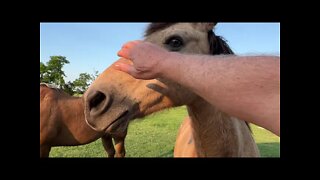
(245, 87)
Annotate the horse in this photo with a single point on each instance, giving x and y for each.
(62, 123)
(115, 98)
(185, 145)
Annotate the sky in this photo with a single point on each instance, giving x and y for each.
(93, 47)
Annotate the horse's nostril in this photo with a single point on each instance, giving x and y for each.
(97, 102)
(96, 99)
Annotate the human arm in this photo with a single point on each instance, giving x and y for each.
(247, 87)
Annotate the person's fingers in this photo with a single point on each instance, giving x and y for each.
(126, 68)
(122, 66)
(130, 44)
(125, 50)
(124, 53)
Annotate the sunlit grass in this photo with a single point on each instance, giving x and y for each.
(155, 135)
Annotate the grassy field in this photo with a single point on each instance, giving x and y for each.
(154, 136)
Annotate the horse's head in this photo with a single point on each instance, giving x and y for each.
(115, 97)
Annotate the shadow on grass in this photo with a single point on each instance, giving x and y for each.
(167, 154)
(271, 149)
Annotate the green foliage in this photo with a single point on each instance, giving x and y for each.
(95, 75)
(43, 70)
(68, 88)
(82, 83)
(52, 72)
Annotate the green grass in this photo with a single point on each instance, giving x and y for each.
(154, 136)
(268, 143)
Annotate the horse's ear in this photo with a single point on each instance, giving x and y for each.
(207, 26)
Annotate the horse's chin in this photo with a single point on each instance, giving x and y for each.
(119, 126)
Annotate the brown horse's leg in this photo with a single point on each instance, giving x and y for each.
(119, 143)
(44, 151)
(108, 145)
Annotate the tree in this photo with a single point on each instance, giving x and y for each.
(82, 83)
(52, 72)
(95, 75)
(68, 88)
(43, 70)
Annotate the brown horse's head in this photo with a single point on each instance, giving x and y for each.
(115, 97)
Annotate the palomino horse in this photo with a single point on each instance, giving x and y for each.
(115, 97)
(185, 145)
(62, 123)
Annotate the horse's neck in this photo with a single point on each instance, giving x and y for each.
(75, 108)
(74, 119)
(216, 133)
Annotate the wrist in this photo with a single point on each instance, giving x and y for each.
(168, 64)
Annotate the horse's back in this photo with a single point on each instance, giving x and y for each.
(185, 145)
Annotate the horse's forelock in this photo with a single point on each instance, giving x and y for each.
(154, 27)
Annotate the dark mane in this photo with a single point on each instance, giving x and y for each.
(52, 86)
(154, 27)
(218, 44)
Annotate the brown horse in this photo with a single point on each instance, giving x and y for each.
(115, 97)
(62, 123)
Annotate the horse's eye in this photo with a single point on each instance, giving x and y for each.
(174, 43)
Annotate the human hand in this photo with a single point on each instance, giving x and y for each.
(147, 59)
